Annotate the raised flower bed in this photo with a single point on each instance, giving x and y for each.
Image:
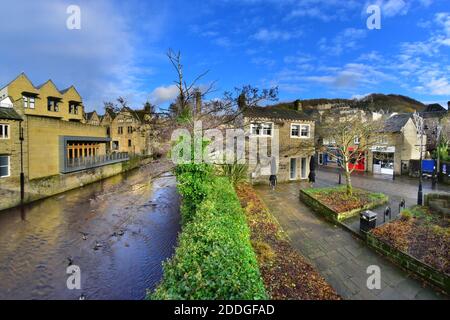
(420, 242)
(336, 205)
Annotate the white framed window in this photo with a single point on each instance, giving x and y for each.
(5, 170)
(4, 131)
(305, 131)
(264, 129)
(295, 130)
(25, 101)
(356, 140)
(31, 104)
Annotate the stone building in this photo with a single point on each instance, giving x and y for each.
(92, 118)
(399, 144)
(10, 124)
(129, 130)
(56, 141)
(295, 133)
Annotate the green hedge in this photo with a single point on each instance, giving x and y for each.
(214, 259)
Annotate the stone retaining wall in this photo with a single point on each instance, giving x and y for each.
(41, 188)
(330, 213)
(410, 263)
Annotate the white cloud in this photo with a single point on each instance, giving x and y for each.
(101, 59)
(164, 94)
(267, 35)
(348, 39)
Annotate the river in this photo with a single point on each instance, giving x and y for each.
(118, 231)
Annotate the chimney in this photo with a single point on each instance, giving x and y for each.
(298, 105)
(198, 102)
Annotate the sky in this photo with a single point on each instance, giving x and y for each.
(308, 49)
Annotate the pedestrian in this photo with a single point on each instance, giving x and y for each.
(273, 181)
(312, 176)
(273, 172)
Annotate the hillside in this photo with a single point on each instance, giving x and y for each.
(372, 102)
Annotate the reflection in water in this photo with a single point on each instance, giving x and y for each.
(118, 231)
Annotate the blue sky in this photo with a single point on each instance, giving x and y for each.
(309, 49)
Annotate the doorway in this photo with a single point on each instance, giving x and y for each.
(303, 168)
(293, 169)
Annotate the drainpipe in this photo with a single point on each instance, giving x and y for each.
(22, 175)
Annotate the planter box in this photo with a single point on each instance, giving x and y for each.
(332, 215)
(421, 269)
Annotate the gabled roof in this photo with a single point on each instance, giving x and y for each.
(89, 115)
(396, 122)
(52, 85)
(274, 113)
(9, 114)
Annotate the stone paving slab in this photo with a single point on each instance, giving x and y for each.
(341, 258)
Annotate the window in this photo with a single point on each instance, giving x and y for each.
(28, 102)
(129, 142)
(52, 105)
(261, 129)
(73, 108)
(130, 129)
(356, 140)
(4, 166)
(295, 131)
(120, 130)
(4, 131)
(304, 130)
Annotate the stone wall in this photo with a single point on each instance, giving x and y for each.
(43, 135)
(48, 186)
(410, 263)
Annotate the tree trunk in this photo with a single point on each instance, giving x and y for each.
(348, 180)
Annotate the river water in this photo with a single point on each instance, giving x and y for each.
(118, 231)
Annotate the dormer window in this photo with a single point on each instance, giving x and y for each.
(73, 108)
(28, 101)
(52, 105)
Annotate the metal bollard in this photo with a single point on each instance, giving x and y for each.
(387, 212)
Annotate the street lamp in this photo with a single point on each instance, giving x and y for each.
(419, 125)
(22, 175)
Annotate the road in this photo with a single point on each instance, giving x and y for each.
(118, 231)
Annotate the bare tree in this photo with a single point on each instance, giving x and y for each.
(191, 104)
(352, 138)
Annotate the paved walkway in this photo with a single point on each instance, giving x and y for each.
(340, 258)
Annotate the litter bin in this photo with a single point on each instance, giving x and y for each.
(367, 221)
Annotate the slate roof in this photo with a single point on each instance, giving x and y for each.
(274, 113)
(435, 107)
(9, 114)
(89, 115)
(396, 122)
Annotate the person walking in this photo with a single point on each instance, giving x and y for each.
(273, 173)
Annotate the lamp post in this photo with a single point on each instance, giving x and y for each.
(438, 156)
(419, 125)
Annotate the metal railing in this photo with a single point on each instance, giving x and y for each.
(95, 161)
